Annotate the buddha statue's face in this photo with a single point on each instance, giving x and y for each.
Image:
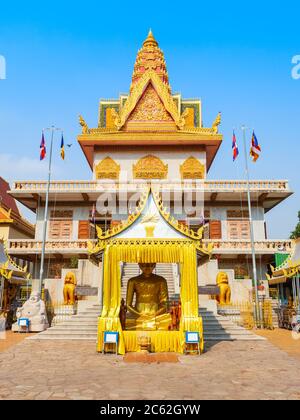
(35, 297)
(147, 268)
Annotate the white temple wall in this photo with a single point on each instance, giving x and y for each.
(79, 213)
(220, 213)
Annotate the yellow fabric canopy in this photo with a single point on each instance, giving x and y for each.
(149, 251)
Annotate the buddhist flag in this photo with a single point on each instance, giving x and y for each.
(255, 148)
(235, 149)
(43, 148)
(62, 147)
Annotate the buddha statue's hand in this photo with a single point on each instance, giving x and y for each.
(161, 311)
(134, 311)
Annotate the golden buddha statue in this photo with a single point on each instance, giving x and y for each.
(151, 296)
(225, 292)
(69, 289)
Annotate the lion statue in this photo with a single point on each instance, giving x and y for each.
(69, 289)
(224, 297)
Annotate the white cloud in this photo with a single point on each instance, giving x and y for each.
(24, 168)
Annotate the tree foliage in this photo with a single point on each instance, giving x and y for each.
(296, 233)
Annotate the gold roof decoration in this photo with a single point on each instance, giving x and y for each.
(109, 235)
(107, 168)
(5, 215)
(192, 168)
(185, 230)
(150, 57)
(216, 123)
(150, 108)
(150, 167)
(289, 268)
(85, 128)
(124, 224)
(150, 76)
(8, 267)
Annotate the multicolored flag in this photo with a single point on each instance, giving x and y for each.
(255, 148)
(235, 149)
(62, 147)
(43, 148)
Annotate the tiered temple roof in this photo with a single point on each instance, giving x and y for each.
(150, 57)
(150, 114)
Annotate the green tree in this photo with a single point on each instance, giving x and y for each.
(296, 233)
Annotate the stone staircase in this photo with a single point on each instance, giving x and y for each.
(220, 328)
(164, 270)
(83, 326)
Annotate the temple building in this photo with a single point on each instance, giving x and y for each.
(151, 138)
(14, 272)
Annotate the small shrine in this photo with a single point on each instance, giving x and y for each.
(150, 235)
(12, 277)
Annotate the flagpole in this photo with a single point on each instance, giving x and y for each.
(251, 228)
(52, 129)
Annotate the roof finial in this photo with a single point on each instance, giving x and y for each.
(150, 39)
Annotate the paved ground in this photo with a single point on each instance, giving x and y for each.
(11, 339)
(73, 370)
(284, 339)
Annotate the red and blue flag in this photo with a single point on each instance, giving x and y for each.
(235, 149)
(43, 148)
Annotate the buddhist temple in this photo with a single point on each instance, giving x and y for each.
(149, 211)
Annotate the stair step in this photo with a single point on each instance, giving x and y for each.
(73, 337)
(84, 328)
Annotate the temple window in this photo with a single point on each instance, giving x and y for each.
(85, 230)
(215, 229)
(238, 225)
(61, 224)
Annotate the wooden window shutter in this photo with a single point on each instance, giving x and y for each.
(245, 229)
(84, 229)
(233, 230)
(54, 229)
(238, 229)
(61, 225)
(215, 229)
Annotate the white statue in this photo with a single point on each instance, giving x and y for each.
(35, 310)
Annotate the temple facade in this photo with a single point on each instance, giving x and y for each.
(150, 137)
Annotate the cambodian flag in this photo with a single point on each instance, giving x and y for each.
(255, 148)
(235, 149)
(43, 148)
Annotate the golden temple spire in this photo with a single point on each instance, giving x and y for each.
(150, 39)
(150, 57)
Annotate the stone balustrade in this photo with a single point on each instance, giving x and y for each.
(244, 246)
(33, 246)
(27, 246)
(95, 186)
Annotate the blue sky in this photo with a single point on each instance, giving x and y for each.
(62, 57)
